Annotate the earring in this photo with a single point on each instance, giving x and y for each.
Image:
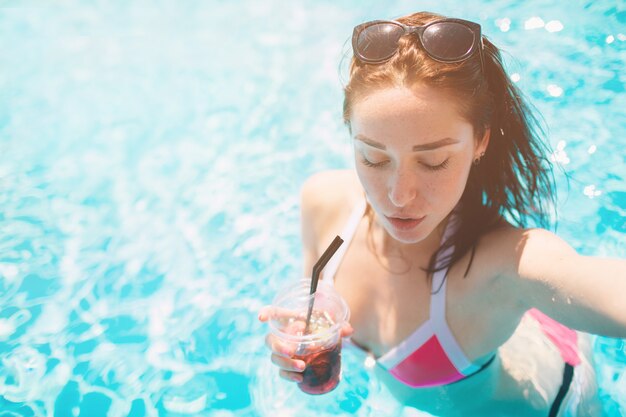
(478, 158)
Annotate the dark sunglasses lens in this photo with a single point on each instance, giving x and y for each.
(378, 42)
(448, 41)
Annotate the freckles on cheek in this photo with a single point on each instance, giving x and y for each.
(456, 183)
(435, 192)
(445, 186)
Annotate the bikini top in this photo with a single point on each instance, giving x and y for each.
(430, 356)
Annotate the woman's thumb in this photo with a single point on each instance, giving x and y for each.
(346, 330)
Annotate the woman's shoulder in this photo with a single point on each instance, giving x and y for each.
(332, 187)
(507, 235)
(508, 244)
(327, 199)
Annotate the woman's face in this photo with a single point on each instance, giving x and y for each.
(413, 155)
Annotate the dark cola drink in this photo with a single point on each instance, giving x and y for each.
(322, 371)
(322, 359)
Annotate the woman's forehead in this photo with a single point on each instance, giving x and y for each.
(419, 114)
(401, 102)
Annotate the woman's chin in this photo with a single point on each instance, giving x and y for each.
(406, 237)
(409, 240)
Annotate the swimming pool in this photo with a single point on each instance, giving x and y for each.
(149, 178)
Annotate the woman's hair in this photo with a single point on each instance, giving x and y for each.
(514, 178)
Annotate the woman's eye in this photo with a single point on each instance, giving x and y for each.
(429, 167)
(369, 163)
(438, 167)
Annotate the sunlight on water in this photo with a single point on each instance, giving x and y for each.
(149, 185)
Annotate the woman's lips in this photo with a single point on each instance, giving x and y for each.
(404, 224)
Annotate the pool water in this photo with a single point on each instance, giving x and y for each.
(151, 159)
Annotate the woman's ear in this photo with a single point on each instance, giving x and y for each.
(482, 144)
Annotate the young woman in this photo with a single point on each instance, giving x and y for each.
(464, 312)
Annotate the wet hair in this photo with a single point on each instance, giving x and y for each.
(514, 179)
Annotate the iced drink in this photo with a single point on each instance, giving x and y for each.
(320, 346)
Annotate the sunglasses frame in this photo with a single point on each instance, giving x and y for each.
(419, 30)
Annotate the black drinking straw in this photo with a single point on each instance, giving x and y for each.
(315, 276)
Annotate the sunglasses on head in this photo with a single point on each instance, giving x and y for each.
(445, 40)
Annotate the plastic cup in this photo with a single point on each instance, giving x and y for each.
(320, 348)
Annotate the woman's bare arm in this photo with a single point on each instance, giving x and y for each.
(583, 292)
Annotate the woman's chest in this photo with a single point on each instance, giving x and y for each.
(390, 298)
(385, 306)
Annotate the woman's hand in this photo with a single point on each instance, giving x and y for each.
(282, 353)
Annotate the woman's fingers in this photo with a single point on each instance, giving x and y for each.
(269, 312)
(346, 330)
(264, 313)
(290, 369)
(282, 353)
(287, 364)
(277, 347)
(290, 376)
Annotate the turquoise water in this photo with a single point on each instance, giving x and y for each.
(151, 158)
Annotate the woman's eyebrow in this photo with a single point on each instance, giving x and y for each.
(417, 148)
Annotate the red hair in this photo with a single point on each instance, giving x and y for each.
(514, 178)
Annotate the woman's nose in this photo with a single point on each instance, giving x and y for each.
(402, 188)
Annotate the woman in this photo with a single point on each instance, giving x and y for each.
(460, 308)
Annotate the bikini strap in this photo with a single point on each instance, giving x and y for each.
(346, 234)
(438, 307)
